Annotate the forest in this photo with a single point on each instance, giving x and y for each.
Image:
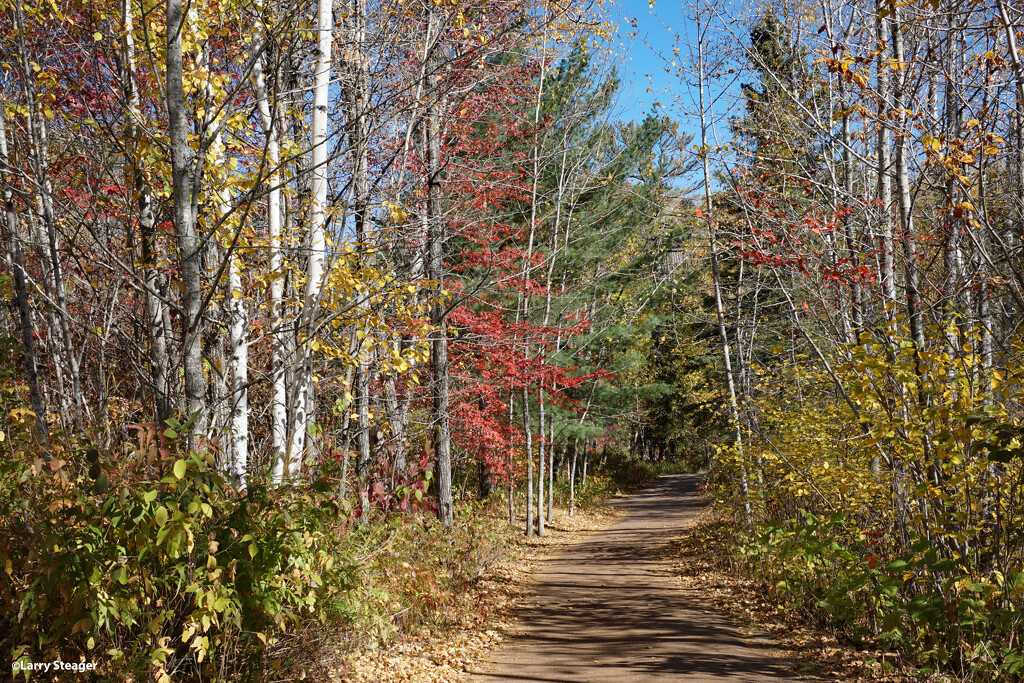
(307, 301)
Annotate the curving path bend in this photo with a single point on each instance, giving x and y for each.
(607, 610)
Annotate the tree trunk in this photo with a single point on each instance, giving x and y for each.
(551, 467)
(853, 247)
(304, 398)
(524, 310)
(715, 275)
(440, 418)
(238, 345)
(189, 248)
(572, 478)
(39, 159)
(355, 87)
(12, 239)
(528, 452)
(135, 175)
(540, 459)
(511, 464)
(884, 170)
(903, 190)
(279, 390)
(586, 458)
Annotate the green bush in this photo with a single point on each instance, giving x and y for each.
(915, 602)
(624, 474)
(177, 575)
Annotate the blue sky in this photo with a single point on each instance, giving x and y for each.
(645, 41)
(643, 55)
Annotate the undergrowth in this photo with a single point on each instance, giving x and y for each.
(936, 620)
(149, 564)
(623, 474)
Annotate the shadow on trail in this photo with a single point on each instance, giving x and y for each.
(607, 609)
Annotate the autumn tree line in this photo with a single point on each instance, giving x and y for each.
(864, 208)
(275, 269)
(288, 226)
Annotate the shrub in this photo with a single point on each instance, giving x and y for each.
(178, 575)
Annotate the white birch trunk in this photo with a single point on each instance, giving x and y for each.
(716, 279)
(540, 460)
(279, 391)
(305, 401)
(238, 348)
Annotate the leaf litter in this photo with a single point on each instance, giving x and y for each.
(484, 616)
(700, 562)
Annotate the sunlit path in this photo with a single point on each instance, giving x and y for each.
(608, 610)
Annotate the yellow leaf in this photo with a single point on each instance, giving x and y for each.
(97, 36)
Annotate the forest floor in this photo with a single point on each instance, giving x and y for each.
(610, 608)
(488, 616)
(627, 591)
(702, 560)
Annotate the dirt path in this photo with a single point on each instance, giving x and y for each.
(608, 610)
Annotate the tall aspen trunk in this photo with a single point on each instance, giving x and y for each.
(853, 247)
(907, 238)
(1011, 236)
(136, 177)
(884, 170)
(216, 318)
(39, 159)
(231, 383)
(981, 257)
(951, 305)
(572, 477)
(1009, 30)
(552, 259)
(189, 248)
(355, 88)
(524, 309)
(238, 361)
(903, 191)
(440, 418)
(883, 162)
(304, 398)
(528, 452)
(45, 186)
(236, 379)
(279, 390)
(551, 467)
(12, 241)
(511, 464)
(715, 275)
(294, 239)
(540, 460)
